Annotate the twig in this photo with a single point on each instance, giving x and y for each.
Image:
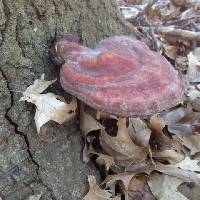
(190, 35)
(182, 21)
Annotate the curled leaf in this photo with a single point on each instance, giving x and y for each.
(121, 147)
(95, 192)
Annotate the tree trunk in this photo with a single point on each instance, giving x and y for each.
(27, 165)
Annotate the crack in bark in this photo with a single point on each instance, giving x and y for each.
(17, 36)
(36, 179)
(15, 125)
(49, 190)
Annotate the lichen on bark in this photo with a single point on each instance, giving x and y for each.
(28, 165)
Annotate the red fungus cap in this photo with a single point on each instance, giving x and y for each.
(121, 76)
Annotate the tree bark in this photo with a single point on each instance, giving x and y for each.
(27, 165)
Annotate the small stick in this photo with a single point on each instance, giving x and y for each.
(191, 35)
(182, 21)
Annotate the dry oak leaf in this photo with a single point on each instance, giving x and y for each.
(95, 192)
(171, 155)
(88, 123)
(130, 183)
(124, 177)
(121, 147)
(106, 160)
(170, 51)
(184, 123)
(148, 167)
(188, 164)
(139, 189)
(139, 132)
(48, 106)
(157, 124)
(118, 197)
(164, 187)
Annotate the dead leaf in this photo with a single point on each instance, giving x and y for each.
(170, 155)
(185, 123)
(164, 187)
(38, 86)
(142, 167)
(106, 160)
(88, 123)
(185, 175)
(95, 192)
(188, 164)
(194, 66)
(148, 167)
(139, 132)
(125, 178)
(48, 106)
(139, 189)
(121, 147)
(192, 142)
(170, 51)
(118, 197)
(157, 125)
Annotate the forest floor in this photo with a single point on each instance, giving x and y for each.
(171, 168)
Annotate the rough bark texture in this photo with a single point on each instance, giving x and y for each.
(27, 165)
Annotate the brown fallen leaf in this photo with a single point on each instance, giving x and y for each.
(125, 178)
(164, 187)
(88, 123)
(49, 106)
(148, 167)
(95, 192)
(185, 123)
(188, 164)
(106, 160)
(118, 197)
(170, 155)
(121, 147)
(170, 51)
(130, 184)
(170, 148)
(186, 175)
(157, 125)
(139, 132)
(139, 189)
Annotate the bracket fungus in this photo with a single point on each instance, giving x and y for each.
(121, 76)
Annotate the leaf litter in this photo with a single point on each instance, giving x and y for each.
(142, 158)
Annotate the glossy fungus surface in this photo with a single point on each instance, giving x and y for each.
(121, 76)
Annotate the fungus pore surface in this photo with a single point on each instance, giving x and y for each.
(121, 76)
